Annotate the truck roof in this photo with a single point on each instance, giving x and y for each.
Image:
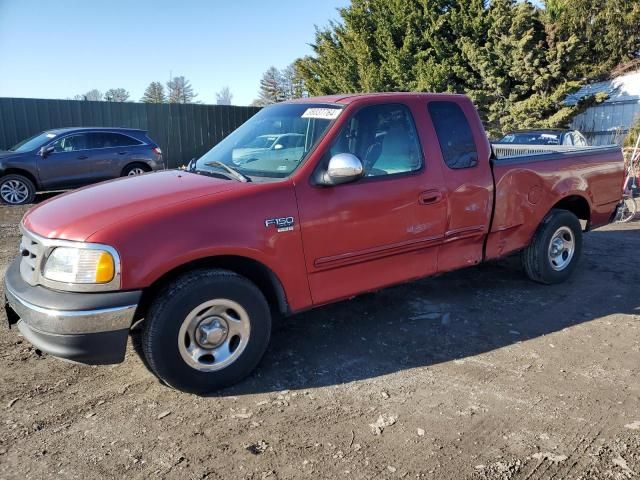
(346, 98)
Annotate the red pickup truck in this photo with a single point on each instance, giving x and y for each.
(307, 203)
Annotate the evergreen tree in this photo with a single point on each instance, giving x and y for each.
(606, 32)
(271, 89)
(516, 61)
(154, 93)
(180, 90)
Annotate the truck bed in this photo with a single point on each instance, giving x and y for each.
(533, 179)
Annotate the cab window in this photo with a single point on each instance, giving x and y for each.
(454, 135)
(384, 138)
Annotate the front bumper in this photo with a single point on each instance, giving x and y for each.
(89, 328)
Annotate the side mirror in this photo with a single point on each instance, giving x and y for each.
(45, 151)
(278, 147)
(343, 168)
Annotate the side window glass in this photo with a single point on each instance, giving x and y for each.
(454, 135)
(109, 140)
(384, 138)
(70, 143)
(123, 140)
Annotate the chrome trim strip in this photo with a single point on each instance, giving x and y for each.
(69, 322)
(351, 258)
(49, 244)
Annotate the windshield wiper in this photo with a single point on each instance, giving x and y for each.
(234, 173)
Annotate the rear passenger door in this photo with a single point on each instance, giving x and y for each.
(69, 165)
(111, 152)
(468, 181)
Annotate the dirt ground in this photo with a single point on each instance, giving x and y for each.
(477, 374)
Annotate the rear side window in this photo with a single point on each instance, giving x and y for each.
(454, 135)
(109, 139)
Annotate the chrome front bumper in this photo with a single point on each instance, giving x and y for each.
(90, 328)
(69, 322)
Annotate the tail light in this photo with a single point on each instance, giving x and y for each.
(157, 150)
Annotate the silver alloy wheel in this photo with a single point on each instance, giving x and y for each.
(136, 171)
(214, 334)
(561, 248)
(14, 191)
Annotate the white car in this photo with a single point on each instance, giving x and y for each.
(286, 147)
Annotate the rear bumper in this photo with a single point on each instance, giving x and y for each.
(88, 328)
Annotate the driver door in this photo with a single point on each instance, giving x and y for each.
(386, 227)
(69, 165)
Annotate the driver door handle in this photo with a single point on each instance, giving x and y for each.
(430, 197)
(83, 157)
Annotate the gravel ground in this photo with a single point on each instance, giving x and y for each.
(475, 374)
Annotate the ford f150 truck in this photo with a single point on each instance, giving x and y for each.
(376, 189)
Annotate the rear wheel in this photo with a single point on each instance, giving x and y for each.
(135, 169)
(16, 190)
(207, 330)
(555, 249)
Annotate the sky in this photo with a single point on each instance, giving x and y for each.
(57, 49)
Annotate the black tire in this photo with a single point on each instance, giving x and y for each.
(25, 186)
(536, 258)
(126, 171)
(172, 307)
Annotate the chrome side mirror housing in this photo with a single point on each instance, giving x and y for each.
(343, 168)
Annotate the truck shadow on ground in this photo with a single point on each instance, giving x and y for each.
(445, 318)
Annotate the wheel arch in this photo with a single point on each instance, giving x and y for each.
(24, 173)
(142, 163)
(576, 204)
(258, 273)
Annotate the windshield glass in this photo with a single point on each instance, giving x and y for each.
(33, 142)
(273, 142)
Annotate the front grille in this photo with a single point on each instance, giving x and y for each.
(32, 252)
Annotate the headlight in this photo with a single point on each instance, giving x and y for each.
(79, 265)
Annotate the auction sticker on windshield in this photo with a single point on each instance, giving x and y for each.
(323, 113)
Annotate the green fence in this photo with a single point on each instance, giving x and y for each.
(182, 131)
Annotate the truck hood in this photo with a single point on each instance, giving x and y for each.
(79, 214)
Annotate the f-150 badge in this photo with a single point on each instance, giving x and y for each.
(282, 224)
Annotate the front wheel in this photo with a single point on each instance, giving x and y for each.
(207, 330)
(553, 254)
(16, 190)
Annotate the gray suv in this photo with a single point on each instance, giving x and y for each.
(67, 158)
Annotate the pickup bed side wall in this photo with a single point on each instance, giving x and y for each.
(527, 189)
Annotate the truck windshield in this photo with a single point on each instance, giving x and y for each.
(274, 141)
